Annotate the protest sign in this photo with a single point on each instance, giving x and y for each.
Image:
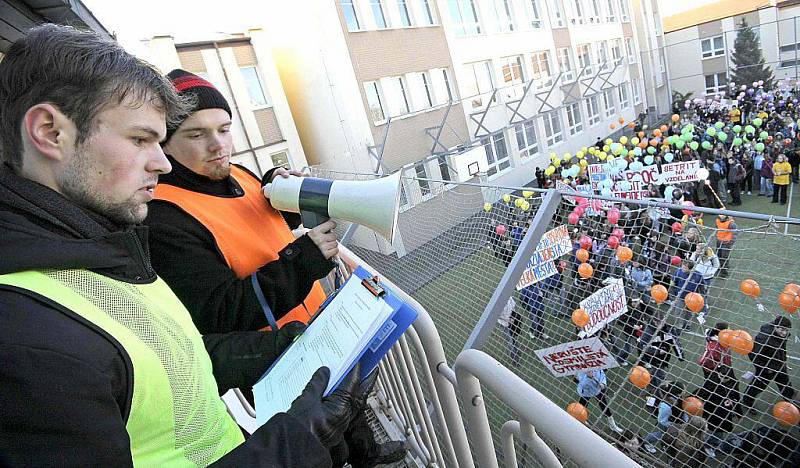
(604, 306)
(554, 244)
(636, 192)
(646, 175)
(570, 358)
(596, 175)
(595, 206)
(564, 188)
(675, 173)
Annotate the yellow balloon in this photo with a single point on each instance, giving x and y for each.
(580, 155)
(506, 198)
(524, 206)
(583, 163)
(584, 149)
(487, 207)
(623, 139)
(609, 141)
(606, 148)
(635, 141)
(553, 156)
(518, 202)
(527, 193)
(549, 171)
(601, 156)
(557, 163)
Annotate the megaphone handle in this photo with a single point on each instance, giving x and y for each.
(311, 219)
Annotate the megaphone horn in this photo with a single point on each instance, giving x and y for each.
(373, 203)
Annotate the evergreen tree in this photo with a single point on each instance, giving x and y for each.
(749, 65)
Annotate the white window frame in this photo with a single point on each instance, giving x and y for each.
(425, 190)
(587, 63)
(596, 12)
(504, 15)
(593, 109)
(479, 93)
(716, 47)
(574, 118)
(565, 64)
(630, 50)
(534, 14)
(553, 128)
(637, 91)
(541, 59)
(717, 85)
(429, 19)
(608, 102)
(375, 86)
(616, 51)
(557, 16)
(382, 9)
(260, 83)
(527, 139)
(624, 98)
(602, 54)
(427, 85)
(463, 28)
(508, 66)
(611, 14)
(624, 11)
(494, 165)
(351, 4)
(578, 15)
(402, 6)
(444, 168)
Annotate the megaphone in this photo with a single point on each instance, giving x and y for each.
(371, 203)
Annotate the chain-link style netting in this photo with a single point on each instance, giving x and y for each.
(717, 377)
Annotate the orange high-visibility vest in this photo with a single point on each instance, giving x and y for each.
(248, 231)
(724, 234)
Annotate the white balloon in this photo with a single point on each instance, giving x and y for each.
(636, 166)
(702, 173)
(649, 159)
(668, 157)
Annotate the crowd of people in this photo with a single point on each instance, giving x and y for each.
(758, 156)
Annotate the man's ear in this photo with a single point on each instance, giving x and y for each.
(48, 131)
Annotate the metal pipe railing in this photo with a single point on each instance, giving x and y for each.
(525, 432)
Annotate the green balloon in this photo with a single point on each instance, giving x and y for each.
(711, 131)
(737, 128)
(719, 125)
(737, 141)
(706, 145)
(693, 145)
(690, 127)
(679, 144)
(759, 147)
(624, 152)
(687, 137)
(757, 122)
(749, 129)
(651, 150)
(672, 139)
(763, 135)
(722, 136)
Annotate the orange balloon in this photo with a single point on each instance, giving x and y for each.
(676, 117)
(578, 411)
(640, 377)
(582, 255)
(657, 132)
(621, 120)
(793, 288)
(641, 134)
(786, 413)
(658, 293)
(653, 142)
(788, 301)
(664, 128)
(585, 270)
(624, 254)
(642, 144)
(741, 342)
(725, 337)
(693, 405)
(750, 287)
(631, 124)
(612, 126)
(694, 302)
(580, 318)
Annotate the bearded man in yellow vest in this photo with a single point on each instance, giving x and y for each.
(101, 363)
(227, 254)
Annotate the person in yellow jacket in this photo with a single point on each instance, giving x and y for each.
(781, 171)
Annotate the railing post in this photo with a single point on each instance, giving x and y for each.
(509, 280)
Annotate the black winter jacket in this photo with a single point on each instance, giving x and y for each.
(769, 349)
(66, 385)
(186, 256)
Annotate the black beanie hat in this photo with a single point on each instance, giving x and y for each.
(782, 321)
(205, 94)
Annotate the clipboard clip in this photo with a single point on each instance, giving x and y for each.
(373, 286)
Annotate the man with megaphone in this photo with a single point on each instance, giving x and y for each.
(228, 254)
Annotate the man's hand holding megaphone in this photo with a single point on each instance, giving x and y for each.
(322, 235)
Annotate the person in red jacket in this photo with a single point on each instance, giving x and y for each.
(714, 354)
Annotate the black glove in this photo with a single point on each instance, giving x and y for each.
(328, 417)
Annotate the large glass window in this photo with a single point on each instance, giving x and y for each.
(427, 14)
(426, 83)
(535, 14)
(616, 51)
(602, 55)
(422, 173)
(630, 50)
(552, 128)
(496, 153)
(637, 91)
(716, 82)
(405, 19)
(376, 112)
(624, 11)
(595, 13)
(611, 12)
(624, 101)
(254, 88)
(593, 109)
(585, 59)
(540, 64)
(556, 13)
(512, 70)
(350, 16)
(444, 168)
(479, 81)
(464, 17)
(712, 47)
(574, 120)
(527, 143)
(504, 15)
(577, 11)
(565, 64)
(378, 14)
(608, 102)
